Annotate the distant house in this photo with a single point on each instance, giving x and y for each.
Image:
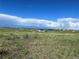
(73, 31)
(41, 30)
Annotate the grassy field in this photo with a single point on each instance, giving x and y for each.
(29, 44)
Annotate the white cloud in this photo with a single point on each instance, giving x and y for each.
(69, 23)
(38, 22)
(9, 20)
(61, 23)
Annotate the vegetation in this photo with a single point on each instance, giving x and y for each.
(18, 43)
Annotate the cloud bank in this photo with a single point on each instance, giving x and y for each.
(60, 23)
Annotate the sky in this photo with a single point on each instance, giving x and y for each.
(52, 14)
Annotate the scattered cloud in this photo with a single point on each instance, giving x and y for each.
(60, 23)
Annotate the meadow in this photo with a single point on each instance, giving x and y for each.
(19, 43)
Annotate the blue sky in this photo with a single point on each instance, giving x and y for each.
(45, 9)
(49, 10)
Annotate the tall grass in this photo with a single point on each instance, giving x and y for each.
(23, 44)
